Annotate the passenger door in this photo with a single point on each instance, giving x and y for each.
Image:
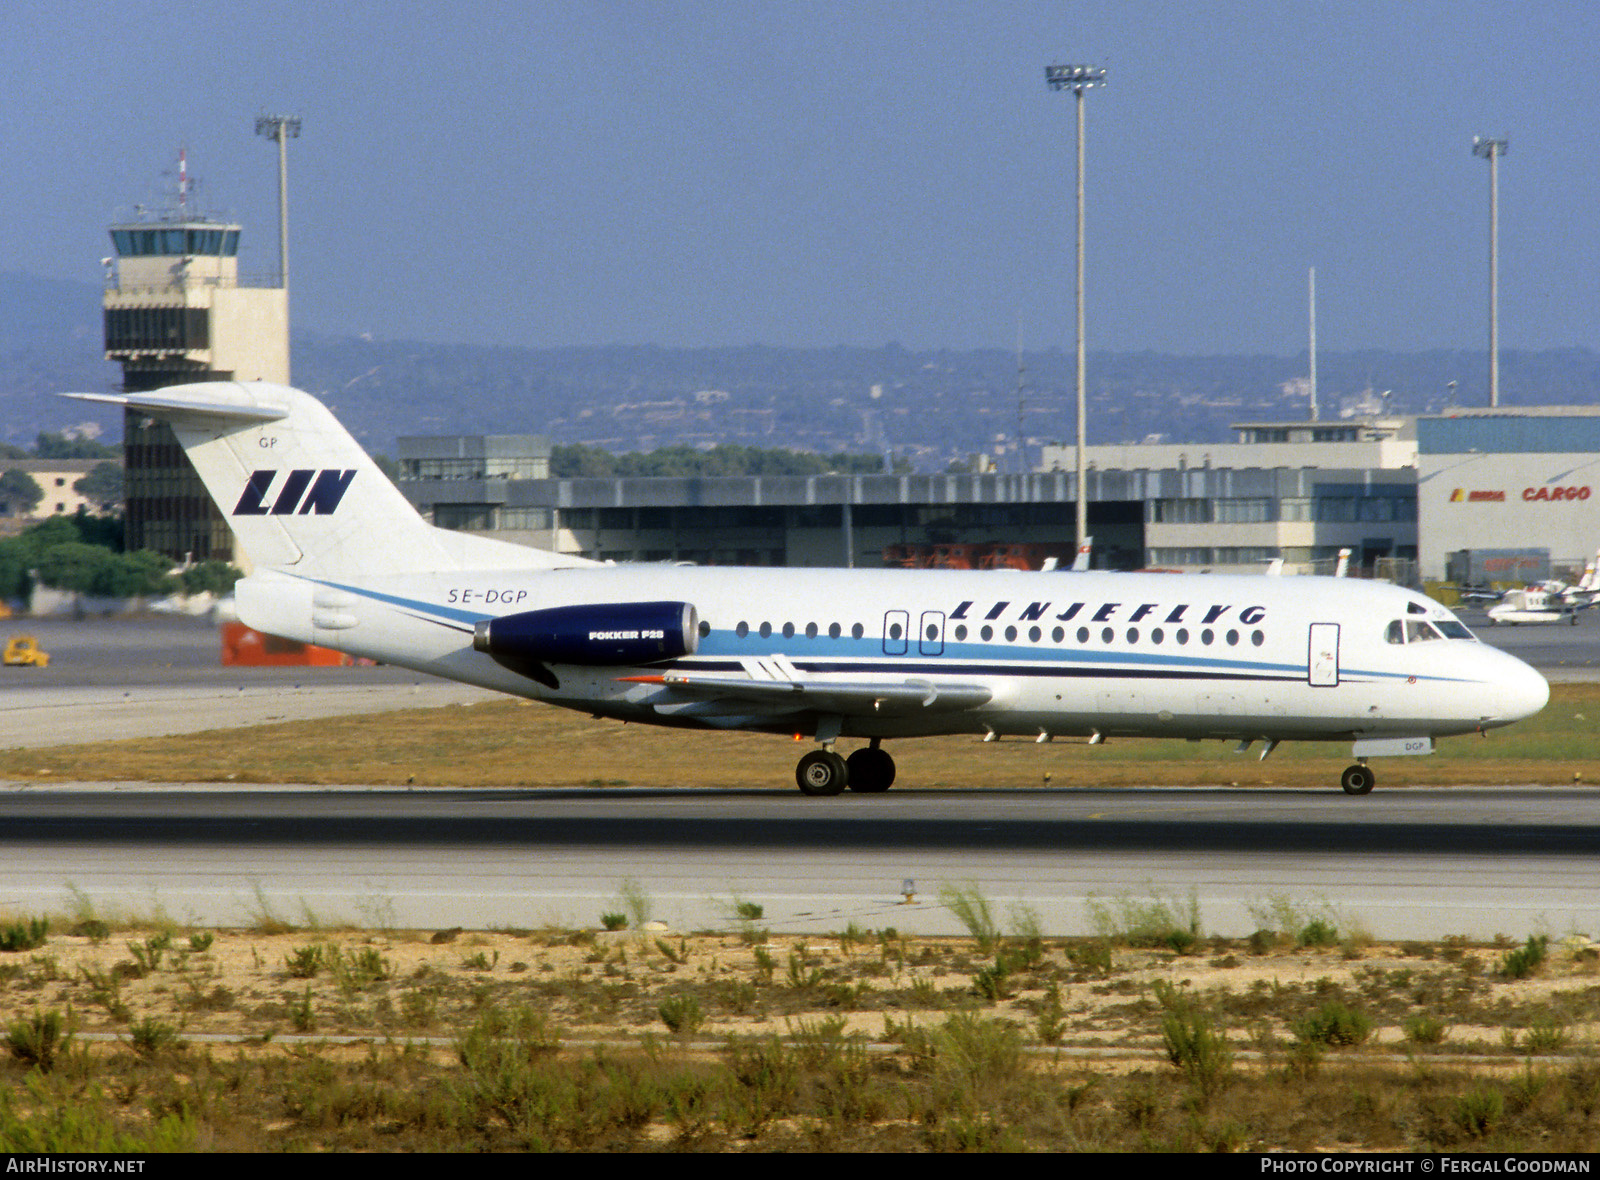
(1322, 664)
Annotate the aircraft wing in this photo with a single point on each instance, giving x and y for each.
(775, 684)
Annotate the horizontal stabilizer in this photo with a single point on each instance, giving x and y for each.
(165, 403)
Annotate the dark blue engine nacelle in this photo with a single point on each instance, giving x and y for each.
(605, 634)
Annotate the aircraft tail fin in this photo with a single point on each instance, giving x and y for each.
(300, 493)
(1080, 563)
(1590, 582)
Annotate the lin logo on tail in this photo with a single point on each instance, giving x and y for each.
(303, 490)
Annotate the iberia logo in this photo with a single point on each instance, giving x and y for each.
(1461, 495)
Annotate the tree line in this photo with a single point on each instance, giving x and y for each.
(85, 554)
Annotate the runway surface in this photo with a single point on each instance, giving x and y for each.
(1401, 864)
(1563, 652)
(123, 678)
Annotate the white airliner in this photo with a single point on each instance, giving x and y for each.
(343, 560)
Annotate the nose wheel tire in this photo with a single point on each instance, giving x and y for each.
(821, 772)
(870, 770)
(1358, 780)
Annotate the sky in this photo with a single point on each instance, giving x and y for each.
(819, 174)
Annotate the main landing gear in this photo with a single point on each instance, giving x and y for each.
(1358, 779)
(823, 772)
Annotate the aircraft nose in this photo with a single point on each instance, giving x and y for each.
(1521, 692)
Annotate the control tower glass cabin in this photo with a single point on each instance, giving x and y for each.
(177, 312)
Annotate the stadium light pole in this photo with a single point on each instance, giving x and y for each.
(1079, 79)
(1492, 150)
(281, 128)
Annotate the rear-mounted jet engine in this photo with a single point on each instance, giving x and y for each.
(602, 634)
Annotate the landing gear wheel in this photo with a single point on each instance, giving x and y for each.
(821, 772)
(871, 770)
(1357, 780)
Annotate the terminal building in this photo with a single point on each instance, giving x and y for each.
(1508, 480)
(1401, 494)
(1280, 492)
(177, 311)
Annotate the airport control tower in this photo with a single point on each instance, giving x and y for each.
(177, 312)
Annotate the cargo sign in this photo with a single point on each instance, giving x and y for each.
(1530, 495)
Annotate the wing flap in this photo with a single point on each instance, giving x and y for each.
(845, 697)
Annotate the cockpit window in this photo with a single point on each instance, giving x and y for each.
(1419, 632)
(1454, 630)
(1396, 632)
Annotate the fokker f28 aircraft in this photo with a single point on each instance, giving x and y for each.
(343, 560)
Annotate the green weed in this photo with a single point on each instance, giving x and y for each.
(39, 1039)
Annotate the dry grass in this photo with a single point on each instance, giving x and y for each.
(512, 743)
(863, 1040)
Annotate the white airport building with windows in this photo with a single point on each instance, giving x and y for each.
(1400, 493)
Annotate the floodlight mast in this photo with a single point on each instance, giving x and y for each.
(1078, 79)
(1492, 150)
(281, 128)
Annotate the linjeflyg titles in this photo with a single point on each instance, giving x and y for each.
(1108, 612)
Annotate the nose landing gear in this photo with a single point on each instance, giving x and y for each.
(1358, 779)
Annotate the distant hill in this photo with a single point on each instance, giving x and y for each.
(929, 406)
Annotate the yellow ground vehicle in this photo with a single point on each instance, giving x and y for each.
(23, 651)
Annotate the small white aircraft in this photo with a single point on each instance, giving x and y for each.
(1534, 604)
(343, 560)
(1546, 602)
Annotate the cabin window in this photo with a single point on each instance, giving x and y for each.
(894, 630)
(742, 629)
(1206, 637)
(961, 632)
(986, 634)
(833, 630)
(1157, 635)
(788, 630)
(1133, 635)
(1258, 638)
(857, 631)
(1033, 634)
(1011, 634)
(1058, 635)
(933, 630)
(1183, 636)
(766, 630)
(1083, 635)
(705, 628)
(811, 630)
(1233, 639)
(1107, 635)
